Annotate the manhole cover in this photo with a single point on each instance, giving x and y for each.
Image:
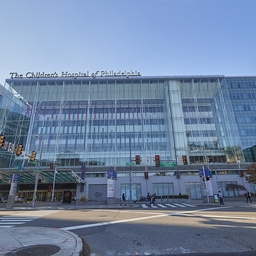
(35, 250)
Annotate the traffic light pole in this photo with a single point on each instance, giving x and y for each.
(206, 187)
(53, 185)
(130, 173)
(37, 173)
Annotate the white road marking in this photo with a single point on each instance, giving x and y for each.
(180, 205)
(136, 219)
(127, 211)
(161, 205)
(12, 223)
(15, 219)
(19, 218)
(190, 205)
(216, 216)
(174, 206)
(36, 213)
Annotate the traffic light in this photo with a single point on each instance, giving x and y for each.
(2, 141)
(184, 159)
(137, 159)
(19, 150)
(157, 160)
(33, 156)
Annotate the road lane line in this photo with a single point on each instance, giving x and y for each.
(216, 216)
(135, 219)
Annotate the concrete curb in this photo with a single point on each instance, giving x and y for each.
(18, 238)
(78, 248)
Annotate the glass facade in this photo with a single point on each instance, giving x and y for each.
(102, 121)
(242, 95)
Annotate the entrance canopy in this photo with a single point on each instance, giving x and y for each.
(28, 177)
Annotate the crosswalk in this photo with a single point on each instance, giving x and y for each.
(15, 219)
(173, 205)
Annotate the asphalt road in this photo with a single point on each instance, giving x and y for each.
(227, 230)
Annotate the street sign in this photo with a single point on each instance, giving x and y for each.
(37, 170)
(15, 177)
(168, 164)
(130, 164)
(111, 174)
(205, 172)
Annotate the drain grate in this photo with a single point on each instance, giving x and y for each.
(35, 250)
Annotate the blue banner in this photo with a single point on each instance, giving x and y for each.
(16, 177)
(111, 174)
(205, 172)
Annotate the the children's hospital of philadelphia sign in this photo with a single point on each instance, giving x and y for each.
(66, 74)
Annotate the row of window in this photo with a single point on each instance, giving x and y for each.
(199, 120)
(110, 135)
(103, 122)
(101, 110)
(243, 84)
(197, 109)
(243, 96)
(49, 82)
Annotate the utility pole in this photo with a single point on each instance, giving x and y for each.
(130, 173)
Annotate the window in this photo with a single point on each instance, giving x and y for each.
(193, 189)
(163, 189)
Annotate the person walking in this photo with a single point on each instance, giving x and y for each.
(123, 199)
(221, 198)
(148, 199)
(153, 199)
(248, 196)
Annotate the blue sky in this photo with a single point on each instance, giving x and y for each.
(154, 37)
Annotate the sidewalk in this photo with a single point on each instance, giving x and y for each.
(39, 242)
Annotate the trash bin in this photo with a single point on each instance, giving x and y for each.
(216, 198)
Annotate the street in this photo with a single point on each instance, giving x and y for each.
(202, 229)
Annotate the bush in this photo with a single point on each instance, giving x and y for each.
(173, 196)
(83, 199)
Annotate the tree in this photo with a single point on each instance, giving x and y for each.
(251, 173)
(235, 187)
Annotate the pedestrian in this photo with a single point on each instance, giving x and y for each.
(123, 199)
(221, 198)
(248, 196)
(148, 199)
(153, 199)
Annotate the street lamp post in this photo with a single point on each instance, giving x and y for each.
(37, 173)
